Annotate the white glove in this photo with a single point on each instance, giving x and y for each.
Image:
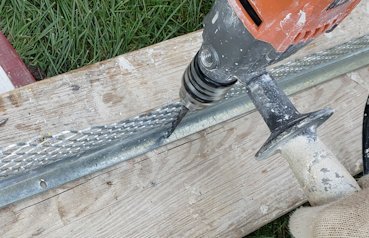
(347, 217)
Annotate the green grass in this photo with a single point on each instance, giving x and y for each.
(275, 229)
(58, 36)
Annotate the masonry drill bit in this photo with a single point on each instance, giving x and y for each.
(198, 91)
(181, 114)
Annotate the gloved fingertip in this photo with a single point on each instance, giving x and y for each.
(301, 223)
(364, 182)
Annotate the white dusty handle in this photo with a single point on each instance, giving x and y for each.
(323, 178)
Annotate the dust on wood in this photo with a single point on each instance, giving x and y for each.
(15, 98)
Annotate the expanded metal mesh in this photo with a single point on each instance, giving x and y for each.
(21, 157)
(42, 151)
(321, 58)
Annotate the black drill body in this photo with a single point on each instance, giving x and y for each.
(229, 53)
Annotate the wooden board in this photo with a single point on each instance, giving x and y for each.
(207, 184)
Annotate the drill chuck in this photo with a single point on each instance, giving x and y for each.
(199, 91)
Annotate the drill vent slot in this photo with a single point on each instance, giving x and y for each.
(251, 11)
(306, 35)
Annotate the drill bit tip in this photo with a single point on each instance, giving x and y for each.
(181, 114)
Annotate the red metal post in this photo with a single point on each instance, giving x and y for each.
(12, 69)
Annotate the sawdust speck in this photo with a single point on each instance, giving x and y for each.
(124, 64)
(264, 209)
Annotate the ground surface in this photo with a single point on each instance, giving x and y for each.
(58, 36)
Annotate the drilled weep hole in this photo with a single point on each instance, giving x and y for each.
(43, 184)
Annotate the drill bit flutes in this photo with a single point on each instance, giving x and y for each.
(182, 113)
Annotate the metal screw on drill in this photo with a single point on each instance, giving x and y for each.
(208, 58)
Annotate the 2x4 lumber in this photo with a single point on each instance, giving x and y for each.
(207, 184)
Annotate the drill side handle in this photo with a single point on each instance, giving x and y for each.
(322, 177)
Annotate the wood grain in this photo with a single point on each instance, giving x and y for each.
(205, 185)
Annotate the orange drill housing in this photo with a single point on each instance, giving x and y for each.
(283, 23)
